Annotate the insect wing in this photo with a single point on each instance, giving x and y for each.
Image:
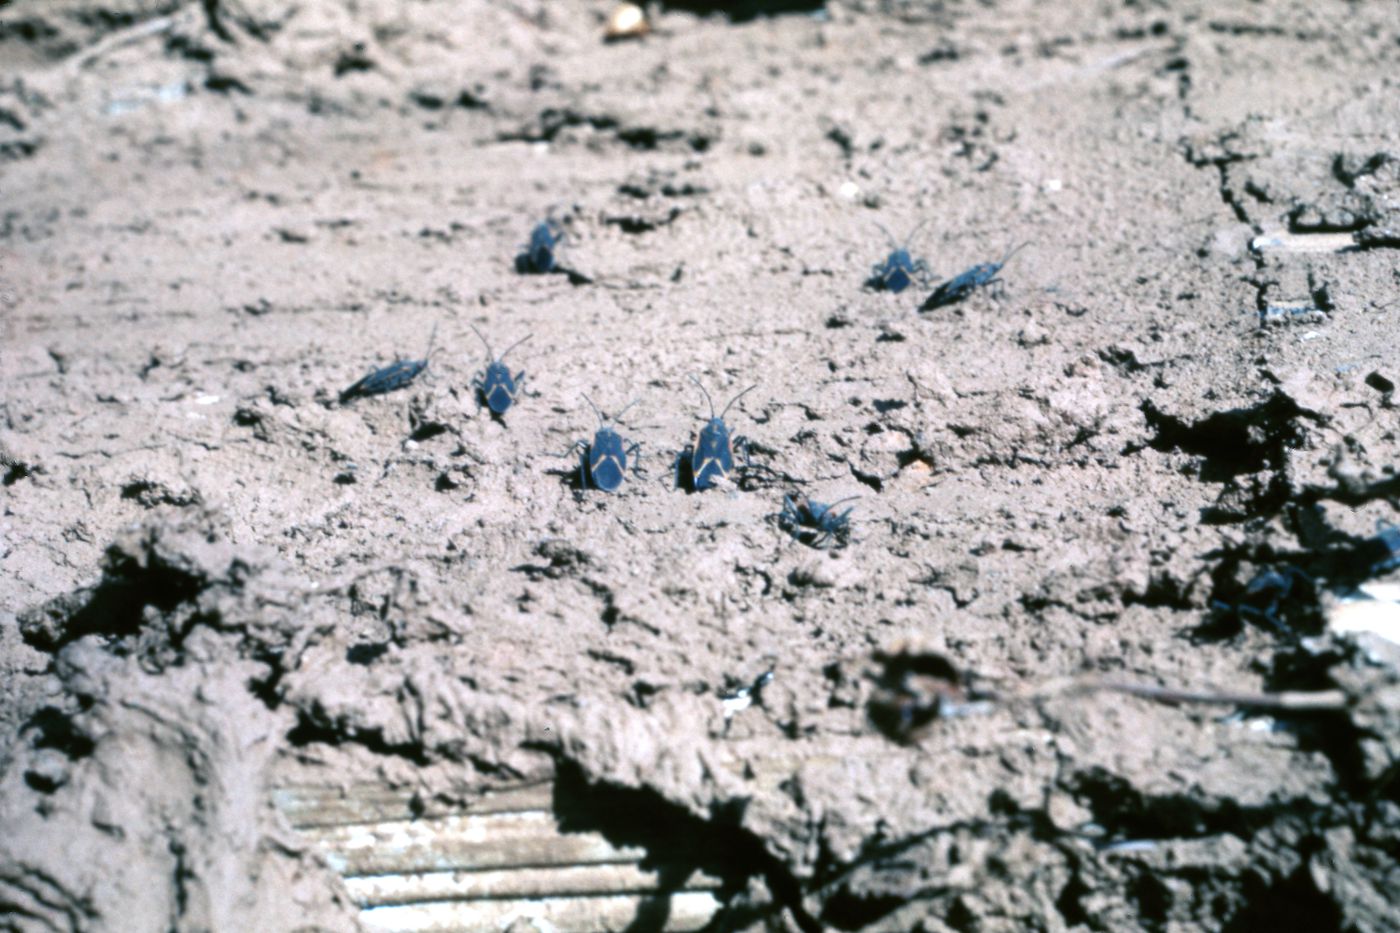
(541, 252)
(498, 388)
(897, 279)
(391, 377)
(607, 460)
(713, 458)
(950, 292)
(541, 258)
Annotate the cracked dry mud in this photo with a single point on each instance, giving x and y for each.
(238, 617)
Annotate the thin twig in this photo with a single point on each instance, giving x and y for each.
(117, 40)
(1296, 700)
(1288, 700)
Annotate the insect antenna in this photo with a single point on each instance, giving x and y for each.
(432, 342)
(736, 398)
(603, 417)
(1012, 252)
(708, 400)
(513, 346)
(894, 244)
(897, 244)
(617, 418)
(596, 410)
(482, 337)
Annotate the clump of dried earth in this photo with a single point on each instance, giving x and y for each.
(217, 580)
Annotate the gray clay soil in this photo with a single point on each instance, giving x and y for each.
(216, 580)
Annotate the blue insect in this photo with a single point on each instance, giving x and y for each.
(603, 463)
(815, 523)
(1381, 552)
(711, 457)
(496, 387)
(965, 283)
(900, 269)
(1264, 596)
(394, 376)
(539, 257)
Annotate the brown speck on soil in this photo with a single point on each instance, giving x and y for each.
(217, 581)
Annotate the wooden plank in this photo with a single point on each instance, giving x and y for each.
(563, 881)
(462, 843)
(306, 806)
(481, 865)
(687, 911)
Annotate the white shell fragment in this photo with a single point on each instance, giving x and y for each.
(736, 703)
(626, 21)
(1283, 241)
(1373, 608)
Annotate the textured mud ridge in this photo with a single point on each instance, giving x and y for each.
(271, 659)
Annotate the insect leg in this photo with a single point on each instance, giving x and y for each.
(1268, 614)
(740, 445)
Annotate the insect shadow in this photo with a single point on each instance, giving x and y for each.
(389, 378)
(603, 461)
(983, 275)
(900, 269)
(495, 387)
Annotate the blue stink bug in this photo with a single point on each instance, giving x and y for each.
(900, 269)
(964, 283)
(712, 455)
(1383, 550)
(496, 386)
(394, 376)
(603, 463)
(1267, 592)
(815, 523)
(538, 257)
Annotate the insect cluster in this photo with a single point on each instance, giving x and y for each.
(714, 456)
(900, 269)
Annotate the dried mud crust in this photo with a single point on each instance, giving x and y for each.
(218, 580)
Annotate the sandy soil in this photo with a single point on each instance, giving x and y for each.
(218, 580)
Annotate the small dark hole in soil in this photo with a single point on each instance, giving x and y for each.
(1293, 904)
(55, 730)
(739, 11)
(849, 910)
(365, 652)
(428, 430)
